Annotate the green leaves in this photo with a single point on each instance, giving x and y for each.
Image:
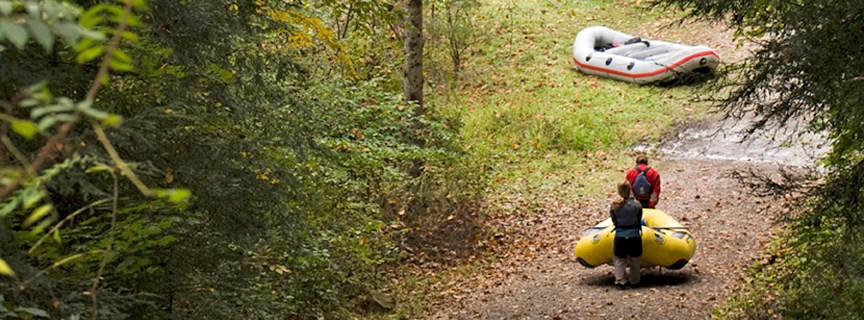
(69, 259)
(140, 5)
(37, 215)
(88, 54)
(25, 128)
(46, 112)
(14, 32)
(121, 61)
(818, 92)
(194, 104)
(33, 312)
(41, 21)
(42, 33)
(39, 180)
(49, 19)
(222, 74)
(24, 198)
(109, 119)
(5, 269)
(94, 18)
(173, 195)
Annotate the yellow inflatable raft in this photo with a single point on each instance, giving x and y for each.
(665, 242)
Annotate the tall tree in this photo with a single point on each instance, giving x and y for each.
(412, 81)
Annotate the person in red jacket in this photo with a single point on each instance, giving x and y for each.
(645, 181)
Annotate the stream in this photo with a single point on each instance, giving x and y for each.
(727, 140)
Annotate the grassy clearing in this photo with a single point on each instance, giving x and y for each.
(536, 122)
(543, 132)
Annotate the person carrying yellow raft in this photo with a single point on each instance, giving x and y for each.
(664, 241)
(626, 215)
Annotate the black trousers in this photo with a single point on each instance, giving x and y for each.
(628, 247)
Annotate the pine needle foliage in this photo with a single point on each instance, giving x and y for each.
(807, 65)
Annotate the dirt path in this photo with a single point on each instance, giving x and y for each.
(545, 282)
(542, 280)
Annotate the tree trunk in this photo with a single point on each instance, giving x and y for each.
(412, 80)
(453, 37)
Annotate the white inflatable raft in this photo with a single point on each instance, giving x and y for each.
(606, 52)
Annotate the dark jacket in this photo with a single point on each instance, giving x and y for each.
(627, 218)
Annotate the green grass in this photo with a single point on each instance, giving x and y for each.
(530, 115)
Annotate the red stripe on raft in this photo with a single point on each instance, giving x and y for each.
(652, 73)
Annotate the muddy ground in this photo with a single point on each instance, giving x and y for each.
(542, 280)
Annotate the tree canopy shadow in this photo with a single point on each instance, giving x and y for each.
(444, 239)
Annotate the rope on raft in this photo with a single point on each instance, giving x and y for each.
(673, 228)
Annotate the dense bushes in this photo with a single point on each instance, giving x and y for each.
(280, 173)
(805, 75)
(813, 270)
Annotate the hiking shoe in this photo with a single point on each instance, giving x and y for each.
(620, 286)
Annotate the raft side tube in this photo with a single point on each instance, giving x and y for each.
(678, 265)
(585, 263)
(665, 242)
(639, 63)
